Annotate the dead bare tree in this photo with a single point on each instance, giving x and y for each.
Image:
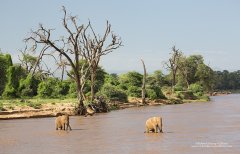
(96, 46)
(76, 46)
(27, 61)
(144, 83)
(33, 63)
(173, 64)
(67, 47)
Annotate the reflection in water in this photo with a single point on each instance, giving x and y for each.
(185, 127)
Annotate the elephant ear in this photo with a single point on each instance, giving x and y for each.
(59, 114)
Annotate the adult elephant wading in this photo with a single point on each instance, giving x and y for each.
(154, 124)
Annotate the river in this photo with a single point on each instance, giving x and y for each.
(210, 127)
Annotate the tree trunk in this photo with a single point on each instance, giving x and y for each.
(63, 69)
(93, 76)
(144, 84)
(173, 81)
(81, 110)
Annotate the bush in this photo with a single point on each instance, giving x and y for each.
(1, 106)
(151, 94)
(28, 87)
(205, 98)
(14, 74)
(26, 92)
(9, 92)
(113, 93)
(62, 88)
(111, 79)
(195, 88)
(178, 88)
(72, 92)
(131, 79)
(47, 89)
(185, 95)
(134, 91)
(4, 64)
(35, 105)
(175, 101)
(159, 92)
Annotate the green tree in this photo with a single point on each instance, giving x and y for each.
(112, 79)
(113, 93)
(5, 63)
(28, 87)
(47, 88)
(206, 76)
(14, 74)
(131, 82)
(131, 79)
(173, 64)
(156, 79)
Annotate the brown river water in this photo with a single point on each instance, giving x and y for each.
(211, 127)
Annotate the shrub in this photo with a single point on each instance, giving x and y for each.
(36, 105)
(178, 88)
(159, 92)
(111, 79)
(113, 93)
(28, 87)
(134, 91)
(62, 88)
(9, 92)
(131, 79)
(175, 101)
(47, 89)
(205, 98)
(1, 106)
(151, 94)
(195, 88)
(72, 92)
(185, 95)
(14, 74)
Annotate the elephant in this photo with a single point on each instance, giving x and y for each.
(61, 121)
(90, 111)
(153, 124)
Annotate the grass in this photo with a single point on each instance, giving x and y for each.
(34, 103)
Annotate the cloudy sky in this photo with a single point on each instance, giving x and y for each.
(148, 28)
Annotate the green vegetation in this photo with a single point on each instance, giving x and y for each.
(193, 80)
(35, 103)
(1, 106)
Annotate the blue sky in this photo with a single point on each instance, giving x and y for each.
(148, 28)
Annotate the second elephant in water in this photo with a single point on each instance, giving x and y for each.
(62, 121)
(154, 124)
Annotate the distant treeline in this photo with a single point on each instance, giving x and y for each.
(18, 81)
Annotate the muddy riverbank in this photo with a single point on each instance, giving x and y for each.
(51, 110)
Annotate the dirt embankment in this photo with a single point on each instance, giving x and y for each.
(51, 110)
(47, 110)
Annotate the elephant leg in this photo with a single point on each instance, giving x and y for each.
(160, 129)
(155, 129)
(69, 127)
(147, 130)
